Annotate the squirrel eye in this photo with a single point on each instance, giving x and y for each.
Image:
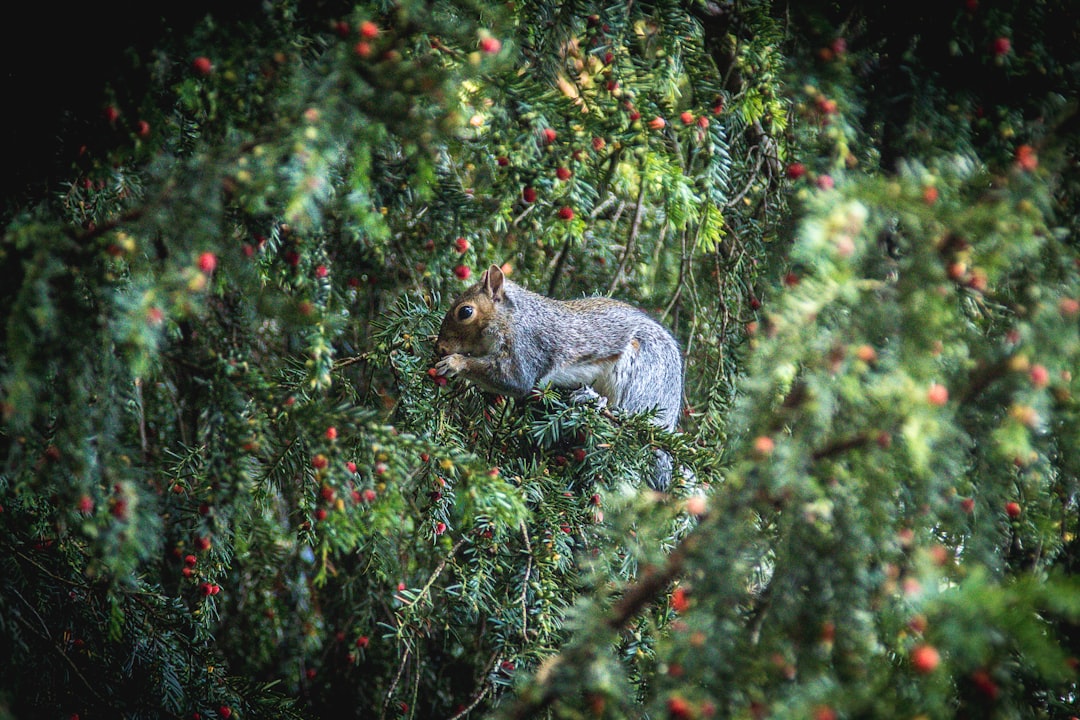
(464, 312)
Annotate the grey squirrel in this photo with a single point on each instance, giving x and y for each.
(507, 340)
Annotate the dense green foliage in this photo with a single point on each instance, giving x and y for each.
(232, 489)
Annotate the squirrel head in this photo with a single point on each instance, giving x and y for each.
(463, 330)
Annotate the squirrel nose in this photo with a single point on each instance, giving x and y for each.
(441, 350)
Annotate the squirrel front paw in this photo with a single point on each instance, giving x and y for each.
(450, 365)
(585, 395)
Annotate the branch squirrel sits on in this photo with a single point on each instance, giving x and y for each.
(507, 340)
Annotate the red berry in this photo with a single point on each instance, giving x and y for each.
(566, 213)
(579, 455)
(1001, 46)
(362, 641)
(1012, 509)
(549, 135)
(142, 129)
(679, 709)
(319, 462)
(351, 466)
(657, 123)
(440, 528)
(202, 543)
(462, 272)
(331, 433)
(679, 601)
(687, 117)
(86, 504)
(529, 194)
(824, 712)
(930, 195)
(563, 173)
(369, 30)
(825, 182)
(827, 106)
(1040, 376)
(764, 445)
(502, 161)
(225, 711)
(982, 680)
(368, 495)
(925, 659)
(321, 271)
(796, 170)
(937, 394)
(1026, 159)
(320, 515)
(363, 49)
(202, 65)
(968, 505)
(190, 560)
(490, 45)
(207, 262)
(461, 245)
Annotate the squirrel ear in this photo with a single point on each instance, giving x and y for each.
(493, 283)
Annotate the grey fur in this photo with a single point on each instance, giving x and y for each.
(520, 339)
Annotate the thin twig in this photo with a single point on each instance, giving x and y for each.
(145, 446)
(394, 684)
(682, 276)
(525, 584)
(472, 705)
(434, 576)
(74, 668)
(639, 211)
(753, 178)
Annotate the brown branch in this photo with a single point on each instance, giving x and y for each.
(394, 684)
(438, 571)
(472, 705)
(839, 447)
(646, 590)
(525, 583)
(639, 211)
(652, 583)
(684, 263)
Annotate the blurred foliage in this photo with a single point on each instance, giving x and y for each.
(232, 489)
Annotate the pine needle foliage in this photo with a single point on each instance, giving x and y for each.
(232, 486)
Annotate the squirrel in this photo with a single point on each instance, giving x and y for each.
(506, 339)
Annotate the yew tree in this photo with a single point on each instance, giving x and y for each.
(233, 485)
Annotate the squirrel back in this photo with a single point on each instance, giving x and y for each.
(506, 339)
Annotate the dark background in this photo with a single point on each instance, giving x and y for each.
(59, 61)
